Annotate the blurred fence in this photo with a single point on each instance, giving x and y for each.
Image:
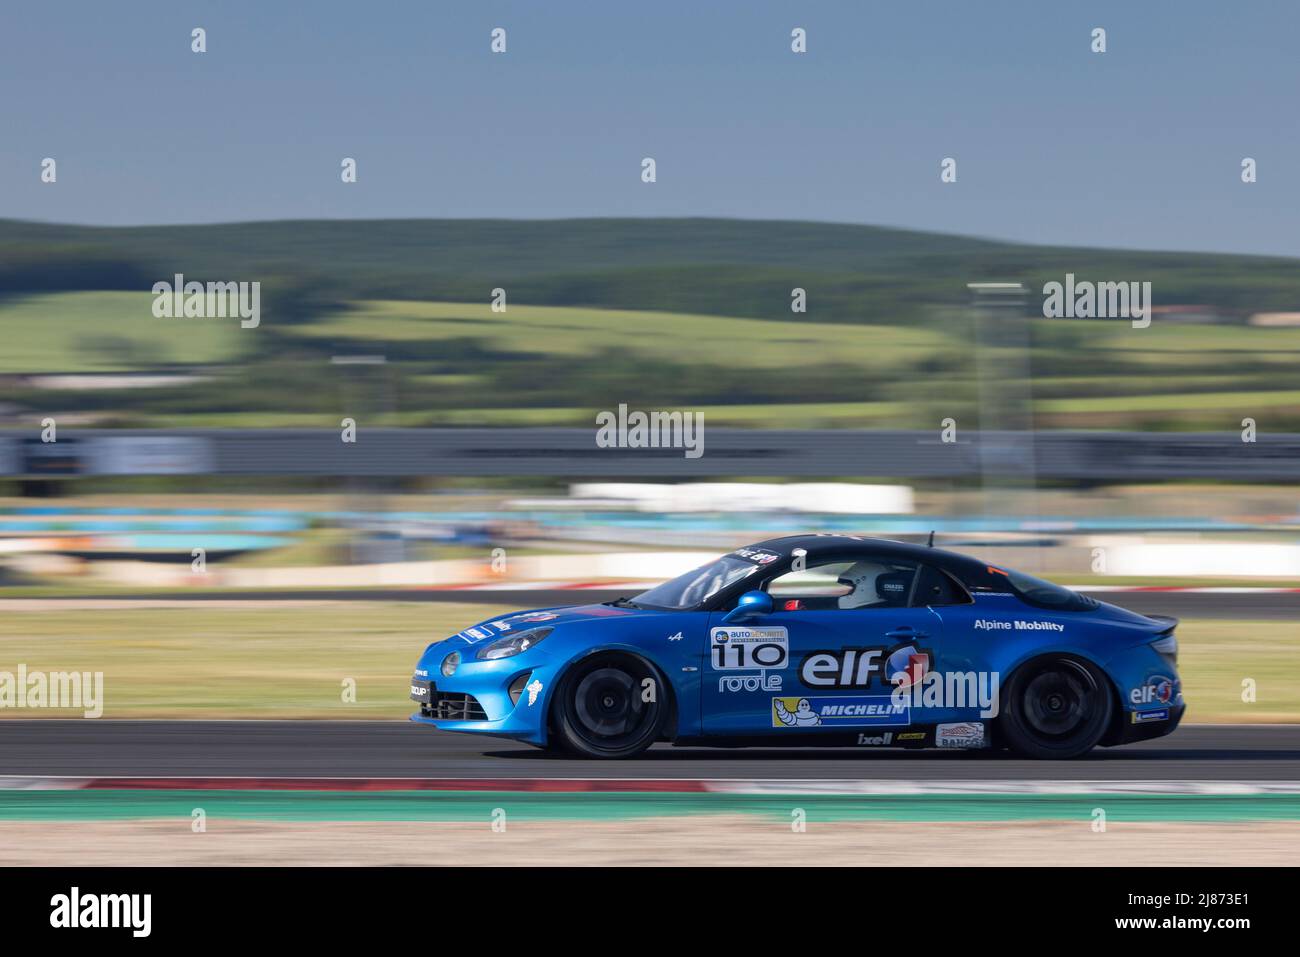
(1082, 456)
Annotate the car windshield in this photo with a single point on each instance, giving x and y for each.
(696, 587)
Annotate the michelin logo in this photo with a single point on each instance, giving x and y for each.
(842, 710)
(802, 716)
(985, 624)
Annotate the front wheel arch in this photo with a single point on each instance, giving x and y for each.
(667, 729)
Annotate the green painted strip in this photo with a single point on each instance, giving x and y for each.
(479, 806)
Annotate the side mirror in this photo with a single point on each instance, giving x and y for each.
(752, 604)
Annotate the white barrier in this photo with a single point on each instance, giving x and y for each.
(1205, 560)
(821, 497)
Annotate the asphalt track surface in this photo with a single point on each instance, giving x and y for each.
(1280, 606)
(369, 749)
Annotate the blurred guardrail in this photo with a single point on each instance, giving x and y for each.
(1084, 456)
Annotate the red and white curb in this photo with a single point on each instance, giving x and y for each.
(848, 788)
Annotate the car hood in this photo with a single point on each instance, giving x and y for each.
(548, 617)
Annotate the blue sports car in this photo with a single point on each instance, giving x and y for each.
(816, 640)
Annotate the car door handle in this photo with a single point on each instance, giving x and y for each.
(905, 632)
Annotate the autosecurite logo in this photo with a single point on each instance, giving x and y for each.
(746, 648)
(863, 711)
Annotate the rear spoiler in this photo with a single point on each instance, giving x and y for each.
(1169, 621)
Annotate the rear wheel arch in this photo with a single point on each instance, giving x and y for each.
(1010, 723)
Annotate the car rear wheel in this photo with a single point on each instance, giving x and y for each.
(610, 706)
(1056, 707)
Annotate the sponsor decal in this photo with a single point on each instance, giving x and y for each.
(471, 635)
(534, 616)
(900, 665)
(963, 734)
(760, 556)
(1142, 717)
(1019, 624)
(534, 688)
(907, 665)
(604, 611)
(418, 691)
(421, 673)
(847, 668)
(890, 587)
(851, 710)
(875, 740)
(1157, 690)
(762, 681)
(912, 736)
(744, 649)
(908, 669)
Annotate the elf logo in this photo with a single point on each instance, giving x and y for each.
(904, 665)
(850, 668)
(1157, 690)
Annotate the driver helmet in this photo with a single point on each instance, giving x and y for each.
(861, 579)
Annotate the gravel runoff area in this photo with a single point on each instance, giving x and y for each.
(697, 840)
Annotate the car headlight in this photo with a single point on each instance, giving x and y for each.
(512, 644)
(450, 664)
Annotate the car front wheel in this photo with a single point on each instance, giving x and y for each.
(609, 706)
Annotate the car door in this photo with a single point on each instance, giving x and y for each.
(822, 661)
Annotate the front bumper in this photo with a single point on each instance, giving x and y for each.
(506, 698)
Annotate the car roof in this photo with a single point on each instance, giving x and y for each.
(817, 545)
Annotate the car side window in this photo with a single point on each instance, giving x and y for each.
(865, 582)
(934, 587)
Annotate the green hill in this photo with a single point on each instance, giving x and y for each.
(681, 313)
(720, 267)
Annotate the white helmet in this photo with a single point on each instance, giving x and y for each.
(861, 579)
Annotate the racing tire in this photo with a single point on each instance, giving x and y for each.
(1056, 707)
(601, 711)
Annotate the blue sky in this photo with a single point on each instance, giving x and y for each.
(1137, 147)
